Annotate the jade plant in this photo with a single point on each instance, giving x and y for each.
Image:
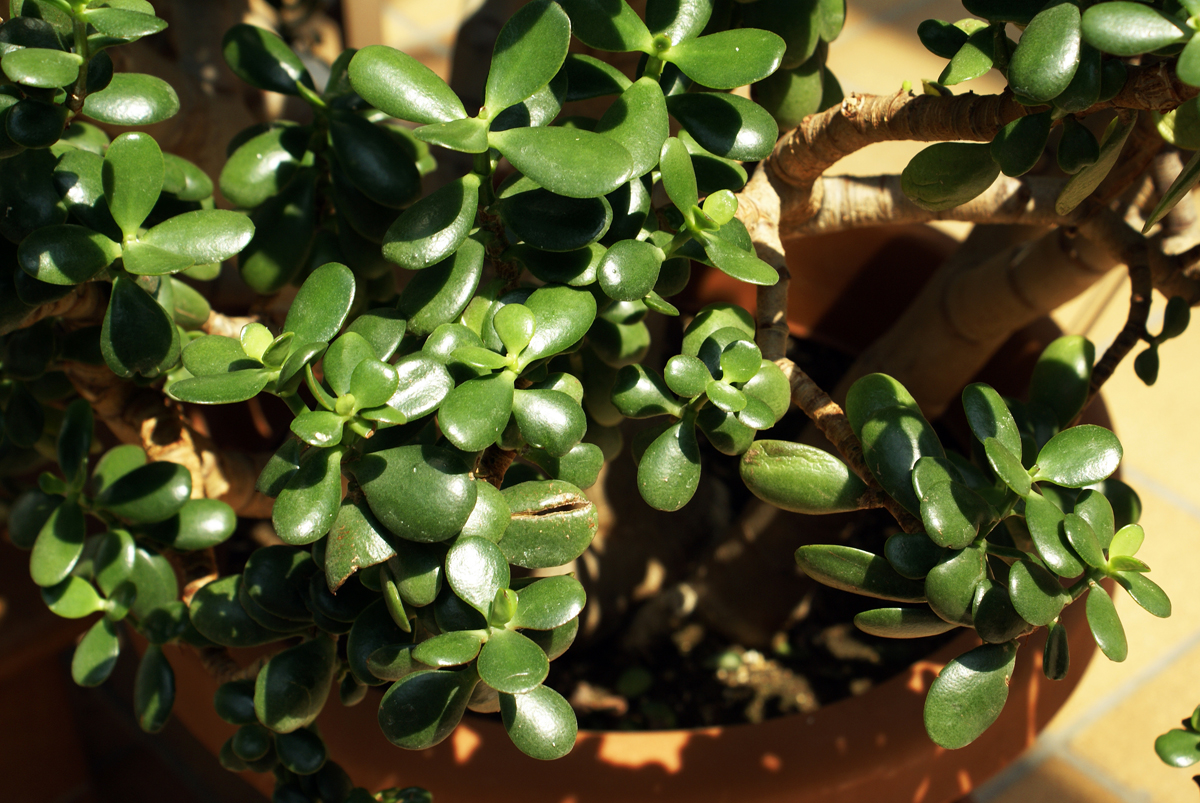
(455, 365)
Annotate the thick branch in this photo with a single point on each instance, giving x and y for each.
(832, 421)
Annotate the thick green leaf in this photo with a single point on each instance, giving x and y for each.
(143, 259)
(1083, 183)
(739, 264)
(199, 524)
(549, 603)
(376, 162)
(302, 752)
(1130, 29)
(308, 504)
(951, 584)
(434, 227)
(421, 493)
(321, 306)
(726, 125)
(152, 493)
(566, 161)
(473, 415)
(1061, 376)
(871, 394)
(66, 254)
(96, 655)
(912, 555)
(214, 354)
(993, 616)
(512, 664)
(678, 177)
(263, 165)
(639, 393)
(562, 316)
(638, 121)
(1047, 525)
(608, 25)
(968, 694)
(1056, 656)
(262, 59)
(423, 708)
(1145, 592)
(1077, 148)
(989, 417)
(124, 23)
(318, 428)
(1079, 456)
(153, 690)
(953, 514)
(529, 51)
(229, 388)
(1036, 593)
(59, 545)
(132, 99)
(971, 59)
(797, 21)
(800, 478)
(948, 174)
(291, 689)
(29, 513)
(549, 221)
(73, 598)
(217, 615)
(893, 440)
(549, 420)
(858, 572)
(1179, 189)
(1178, 748)
(540, 723)
(792, 95)
(1020, 144)
(356, 540)
(1105, 624)
(133, 178)
(402, 86)
(284, 233)
(728, 59)
(1084, 90)
(476, 569)
(901, 623)
(552, 524)
(1047, 56)
(204, 235)
(1083, 540)
(1007, 467)
(41, 67)
(79, 179)
(454, 648)
(32, 123)
(669, 471)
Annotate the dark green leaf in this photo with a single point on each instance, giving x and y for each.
(540, 723)
(549, 420)
(149, 494)
(28, 515)
(1046, 524)
(291, 689)
(858, 572)
(512, 664)
(449, 649)
(739, 264)
(550, 221)
(1077, 148)
(552, 524)
(1083, 540)
(41, 67)
(728, 59)
(1047, 56)
(1020, 144)
(669, 471)
(153, 690)
(566, 161)
(403, 87)
(901, 623)
(608, 25)
(434, 227)
(638, 121)
(234, 386)
(284, 233)
(321, 306)
(893, 440)
(1130, 29)
(953, 514)
(951, 584)
(993, 615)
(549, 603)
(948, 174)
(421, 493)
(476, 569)
(58, 546)
(377, 163)
(1105, 624)
(912, 555)
(800, 478)
(308, 504)
(973, 58)
(797, 21)
(1079, 456)
(1036, 593)
(870, 395)
(34, 124)
(217, 615)
(132, 99)
(792, 95)
(1083, 183)
(1178, 748)
(969, 693)
(301, 752)
(562, 316)
(1056, 656)
(263, 166)
(204, 235)
(423, 708)
(726, 125)
(96, 655)
(529, 51)
(474, 414)
(262, 59)
(73, 598)
(1179, 189)
(1007, 467)
(133, 177)
(200, 524)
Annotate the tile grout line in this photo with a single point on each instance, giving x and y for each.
(1159, 488)
(1051, 744)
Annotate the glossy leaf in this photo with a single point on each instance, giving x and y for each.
(566, 161)
(512, 664)
(1146, 592)
(1105, 624)
(951, 584)
(678, 177)
(153, 690)
(204, 235)
(529, 50)
(912, 555)
(421, 493)
(953, 514)
(1085, 182)
(1046, 524)
(971, 59)
(423, 708)
(872, 394)
(263, 60)
(73, 598)
(726, 125)
(540, 723)
(149, 494)
(739, 264)
(562, 316)
(1007, 467)
(893, 440)
(217, 615)
(434, 227)
(800, 478)
(41, 67)
(454, 648)
(133, 177)
(1079, 456)
(59, 545)
(283, 235)
(291, 689)
(669, 471)
(549, 603)
(96, 654)
(473, 415)
(728, 59)
(1083, 540)
(858, 572)
(1047, 56)
(948, 174)
(402, 86)
(1130, 29)
(263, 166)
(375, 161)
(29, 514)
(608, 25)
(638, 121)
(1020, 144)
(1036, 593)
(308, 504)
(968, 694)
(1177, 747)
(552, 524)
(901, 623)
(989, 417)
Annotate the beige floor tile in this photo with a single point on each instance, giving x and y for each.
(1122, 742)
(1170, 534)
(1053, 781)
